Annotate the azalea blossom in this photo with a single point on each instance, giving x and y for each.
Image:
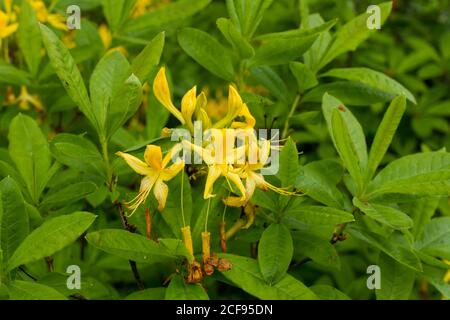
(7, 21)
(156, 172)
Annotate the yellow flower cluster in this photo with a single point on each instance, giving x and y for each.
(8, 23)
(233, 163)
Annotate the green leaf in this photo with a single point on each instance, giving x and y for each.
(436, 278)
(11, 75)
(69, 194)
(117, 11)
(304, 76)
(320, 250)
(26, 290)
(124, 104)
(289, 166)
(352, 34)
(385, 133)
(389, 216)
(148, 58)
(77, 152)
(397, 281)
(235, 38)
(135, 247)
(14, 222)
(371, 78)
(351, 93)
(346, 148)
(316, 181)
(421, 211)
(318, 50)
(52, 236)
(173, 12)
(28, 148)
(351, 136)
(281, 50)
(245, 274)
(319, 215)
(275, 251)
(436, 238)
(29, 37)
(420, 174)
(247, 15)
(179, 290)
(391, 246)
(207, 51)
(67, 71)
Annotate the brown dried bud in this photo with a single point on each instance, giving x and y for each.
(224, 265)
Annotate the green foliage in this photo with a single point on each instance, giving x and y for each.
(364, 168)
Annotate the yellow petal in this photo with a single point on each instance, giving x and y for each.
(162, 93)
(170, 155)
(188, 104)
(153, 156)
(105, 35)
(214, 173)
(233, 177)
(161, 191)
(235, 105)
(57, 21)
(136, 164)
(204, 153)
(234, 202)
(170, 172)
(250, 121)
(146, 186)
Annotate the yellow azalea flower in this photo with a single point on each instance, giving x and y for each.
(162, 93)
(155, 171)
(7, 25)
(216, 108)
(258, 157)
(235, 105)
(247, 122)
(43, 15)
(219, 163)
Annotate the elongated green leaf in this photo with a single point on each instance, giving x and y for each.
(281, 51)
(421, 211)
(148, 58)
(275, 251)
(235, 38)
(304, 76)
(124, 104)
(52, 236)
(351, 93)
(26, 290)
(346, 147)
(319, 215)
(106, 80)
(247, 15)
(14, 222)
(397, 281)
(436, 278)
(245, 274)
(398, 251)
(289, 166)
(314, 56)
(170, 13)
(372, 78)
(389, 216)
(69, 194)
(29, 37)
(207, 51)
(28, 148)
(135, 247)
(352, 34)
(436, 238)
(385, 133)
(353, 130)
(421, 174)
(179, 290)
(117, 11)
(316, 180)
(77, 152)
(320, 250)
(67, 71)
(11, 75)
